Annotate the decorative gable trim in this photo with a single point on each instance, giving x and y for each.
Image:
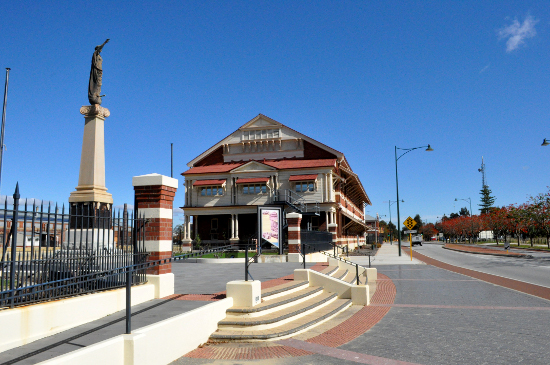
(253, 166)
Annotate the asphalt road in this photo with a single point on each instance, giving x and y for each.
(534, 271)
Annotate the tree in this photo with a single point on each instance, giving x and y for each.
(428, 231)
(392, 230)
(418, 221)
(487, 200)
(177, 234)
(464, 212)
(541, 213)
(454, 215)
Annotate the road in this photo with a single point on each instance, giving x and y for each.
(535, 271)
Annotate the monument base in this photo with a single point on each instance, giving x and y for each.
(89, 239)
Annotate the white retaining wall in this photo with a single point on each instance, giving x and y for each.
(159, 343)
(33, 322)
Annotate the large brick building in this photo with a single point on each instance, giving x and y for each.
(265, 162)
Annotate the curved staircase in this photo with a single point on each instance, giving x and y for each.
(286, 310)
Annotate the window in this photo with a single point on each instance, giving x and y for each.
(211, 191)
(260, 134)
(304, 186)
(255, 189)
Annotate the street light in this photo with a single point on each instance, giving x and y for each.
(545, 142)
(468, 200)
(390, 203)
(407, 150)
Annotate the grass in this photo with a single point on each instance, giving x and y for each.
(528, 246)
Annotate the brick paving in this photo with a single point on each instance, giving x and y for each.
(346, 331)
(433, 314)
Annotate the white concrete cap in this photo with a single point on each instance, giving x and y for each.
(153, 180)
(293, 215)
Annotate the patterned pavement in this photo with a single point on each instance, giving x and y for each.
(420, 314)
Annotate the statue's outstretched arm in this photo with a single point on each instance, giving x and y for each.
(104, 43)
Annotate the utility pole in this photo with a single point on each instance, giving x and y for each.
(4, 122)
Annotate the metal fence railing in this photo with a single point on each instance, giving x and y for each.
(43, 257)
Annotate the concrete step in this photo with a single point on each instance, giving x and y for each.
(283, 289)
(277, 318)
(340, 274)
(330, 270)
(299, 324)
(277, 304)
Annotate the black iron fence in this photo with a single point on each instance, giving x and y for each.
(321, 240)
(45, 257)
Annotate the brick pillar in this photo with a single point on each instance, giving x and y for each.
(293, 220)
(154, 195)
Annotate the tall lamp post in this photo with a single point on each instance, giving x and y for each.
(407, 150)
(390, 203)
(470, 201)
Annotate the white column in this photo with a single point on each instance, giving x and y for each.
(236, 226)
(232, 226)
(331, 188)
(326, 218)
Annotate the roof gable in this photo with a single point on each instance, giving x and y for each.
(273, 140)
(253, 166)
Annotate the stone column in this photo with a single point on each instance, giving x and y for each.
(91, 197)
(186, 242)
(293, 221)
(154, 195)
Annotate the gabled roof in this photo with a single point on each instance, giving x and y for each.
(276, 164)
(262, 121)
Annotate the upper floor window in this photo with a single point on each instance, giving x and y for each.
(260, 134)
(304, 186)
(254, 189)
(211, 191)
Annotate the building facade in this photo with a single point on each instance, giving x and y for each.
(267, 163)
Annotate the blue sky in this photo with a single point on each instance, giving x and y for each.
(470, 78)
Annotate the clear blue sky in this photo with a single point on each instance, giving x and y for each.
(469, 77)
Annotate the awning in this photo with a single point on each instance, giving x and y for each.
(252, 180)
(302, 177)
(208, 182)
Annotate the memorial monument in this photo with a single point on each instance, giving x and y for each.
(91, 199)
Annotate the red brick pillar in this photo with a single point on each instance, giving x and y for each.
(154, 195)
(294, 220)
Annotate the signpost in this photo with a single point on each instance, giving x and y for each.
(410, 223)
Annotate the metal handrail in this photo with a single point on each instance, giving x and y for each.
(335, 257)
(299, 201)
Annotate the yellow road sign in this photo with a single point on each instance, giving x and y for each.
(409, 223)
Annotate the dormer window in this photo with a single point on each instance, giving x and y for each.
(260, 134)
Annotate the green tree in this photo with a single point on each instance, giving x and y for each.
(418, 221)
(487, 200)
(464, 212)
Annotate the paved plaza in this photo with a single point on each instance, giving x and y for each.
(420, 313)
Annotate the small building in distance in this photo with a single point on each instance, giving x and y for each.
(267, 163)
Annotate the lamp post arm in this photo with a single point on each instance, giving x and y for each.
(405, 149)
